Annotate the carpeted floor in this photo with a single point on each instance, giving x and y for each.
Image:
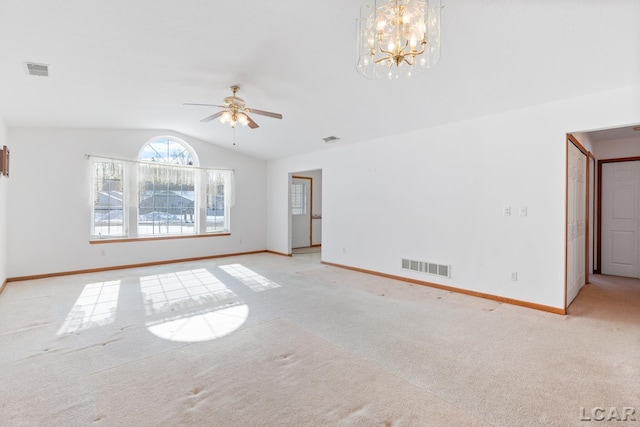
(307, 250)
(265, 340)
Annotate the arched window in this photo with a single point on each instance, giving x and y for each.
(167, 189)
(169, 151)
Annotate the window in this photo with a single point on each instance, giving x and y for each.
(298, 199)
(108, 198)
(168, 195)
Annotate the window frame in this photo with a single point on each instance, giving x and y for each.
(132, 187)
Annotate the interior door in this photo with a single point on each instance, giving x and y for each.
(300, 212)
(620, 240)
(576, 221)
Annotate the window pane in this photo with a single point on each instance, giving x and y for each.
(166, 200)
(108, 199)
(298, 199)
(166, 151)
(217, 212)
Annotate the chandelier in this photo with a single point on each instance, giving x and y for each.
(398, 37)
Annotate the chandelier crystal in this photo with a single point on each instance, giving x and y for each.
(398, 37)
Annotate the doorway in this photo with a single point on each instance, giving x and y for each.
(620, 216)
(305, 211)
(301, 207)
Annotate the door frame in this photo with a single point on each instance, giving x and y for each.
(572, 140)
(310, 206)
(599, 204)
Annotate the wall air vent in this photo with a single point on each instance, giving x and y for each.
(427, 267)
(329, 139)
(33, 69)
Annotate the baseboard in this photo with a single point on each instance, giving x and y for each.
(278, 253)
(4, 284)
(122, 267)
(316, 246)
(497, 298)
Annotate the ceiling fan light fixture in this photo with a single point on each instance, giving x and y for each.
(397, 38)
(235, 111)
(243, 119)
(226, 117)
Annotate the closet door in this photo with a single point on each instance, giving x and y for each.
(576, 222)
(620, 239)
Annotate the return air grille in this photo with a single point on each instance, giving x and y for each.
(427, 267)
(40, 70)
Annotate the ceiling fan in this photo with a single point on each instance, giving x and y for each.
(234, 111)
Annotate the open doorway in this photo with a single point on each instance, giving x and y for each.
(305, 212)
(613, 193)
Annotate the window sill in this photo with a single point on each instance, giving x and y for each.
(144, 239)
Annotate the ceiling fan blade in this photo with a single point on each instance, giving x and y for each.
(206, 105)
(213, 116)
(252, 124)
(264, 113)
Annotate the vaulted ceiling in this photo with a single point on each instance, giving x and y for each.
(133, 63)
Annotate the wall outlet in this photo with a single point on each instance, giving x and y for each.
(506, 211)
(514, 276)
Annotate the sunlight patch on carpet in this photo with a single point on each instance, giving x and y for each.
(201, 327)
(194, 305)
(248, 277)
(96, 306)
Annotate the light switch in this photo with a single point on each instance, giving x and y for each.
(523, 211)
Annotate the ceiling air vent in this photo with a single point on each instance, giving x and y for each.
(40, 70)
(329, 139)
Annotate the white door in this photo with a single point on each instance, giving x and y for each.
(576, 222)
(620, 184)
(300, 212)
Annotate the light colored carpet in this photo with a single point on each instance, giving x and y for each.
(309, 250)
(265, 340)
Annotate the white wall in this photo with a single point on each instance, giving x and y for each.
(49, 172)
(438, 195)
(4, 200)
(617, 148)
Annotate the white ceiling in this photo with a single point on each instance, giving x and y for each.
(133, 63)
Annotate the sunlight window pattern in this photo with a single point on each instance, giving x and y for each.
(191, 306)
(181, 290)
(96, 306)
(248, 277)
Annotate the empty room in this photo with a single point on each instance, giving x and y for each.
(344, 213)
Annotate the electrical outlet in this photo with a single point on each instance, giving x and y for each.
(514, 276)
(506, 211)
